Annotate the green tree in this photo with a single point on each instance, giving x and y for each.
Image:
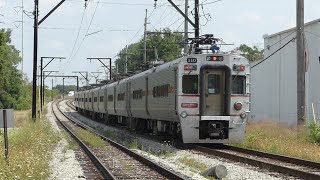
(166, 43)
(11, 81)
(252, 54)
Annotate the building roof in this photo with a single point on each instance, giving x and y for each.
(291, 29)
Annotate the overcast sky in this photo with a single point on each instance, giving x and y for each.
(120, 22)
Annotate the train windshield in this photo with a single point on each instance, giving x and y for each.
(238, 84)
(190, 84)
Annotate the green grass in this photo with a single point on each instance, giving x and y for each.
(90, 138)
(71, 143)
(193, 164)
(30, 148)
(288, 141)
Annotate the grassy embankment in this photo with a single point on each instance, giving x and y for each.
(30, 146)
(301, 142)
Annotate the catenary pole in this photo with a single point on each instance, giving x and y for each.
(126, 63)
(35, 55)
(196, 22)
(185, 50)
(301, 65)
(51, 89)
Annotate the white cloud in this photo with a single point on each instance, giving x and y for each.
(2, 3)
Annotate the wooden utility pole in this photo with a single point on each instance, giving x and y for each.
(301, 65)
(145, 39)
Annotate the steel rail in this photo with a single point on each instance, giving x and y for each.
(70, 105)
(287, 159)
(95, 160)
(259, 163)
(159, 168)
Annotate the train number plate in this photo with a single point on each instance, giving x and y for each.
(192, 60)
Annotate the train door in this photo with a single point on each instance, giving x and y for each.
(114, 99)
(214, 100)
(147, 95)
(128, 100)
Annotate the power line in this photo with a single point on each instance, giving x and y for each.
(140, 28)
(292, 40)
(74, 45)
(211, 2)
(95, 10)
(268, 47)
(72, 29)
(119, 3)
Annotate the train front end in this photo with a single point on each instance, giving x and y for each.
(213, 98)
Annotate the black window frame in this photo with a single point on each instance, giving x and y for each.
(110, 97)
(121, 96)
(137, 94)
(193, 91)
(243, 80)
(161, 91)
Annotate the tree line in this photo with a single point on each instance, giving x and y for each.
(168, 46)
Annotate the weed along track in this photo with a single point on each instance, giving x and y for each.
(113, 160)
(287, 165)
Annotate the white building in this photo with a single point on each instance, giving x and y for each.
(273, 88)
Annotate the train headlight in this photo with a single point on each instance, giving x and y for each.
(184, 114)
(237, 106)
(243, 115)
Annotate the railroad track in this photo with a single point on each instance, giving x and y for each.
(117, 162)
(286, 165)
(69, 103)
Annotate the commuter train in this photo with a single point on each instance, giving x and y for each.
(200, 98)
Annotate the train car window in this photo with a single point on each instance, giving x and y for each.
(137, 94)
(95, 99)
(214, 84)
(110, 98)
(161, 91)
(121, 97)
(89, 99)
(190, 84)
(238, 85)
(101, 98)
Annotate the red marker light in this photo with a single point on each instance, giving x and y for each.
(239, 67)
(190, 67)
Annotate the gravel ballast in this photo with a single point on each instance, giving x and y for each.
(173, 156)
(64, 164)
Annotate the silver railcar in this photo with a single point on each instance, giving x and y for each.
(203, 98)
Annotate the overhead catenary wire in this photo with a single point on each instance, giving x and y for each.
(95, 10)
(74, 45)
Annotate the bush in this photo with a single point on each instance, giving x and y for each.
(314, 132)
